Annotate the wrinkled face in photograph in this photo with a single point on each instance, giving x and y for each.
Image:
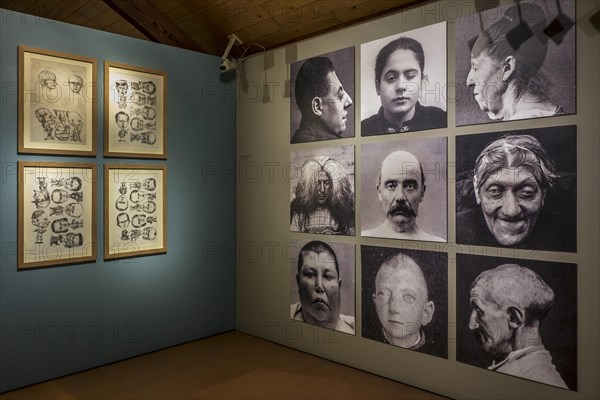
(123, 220)
(401, 189)
(319, 289)
(334, 113)
(75, 83)
(485, 79)
(400, 85)
(489, 323)
(323, 188)
(401, 302)
(511, 200)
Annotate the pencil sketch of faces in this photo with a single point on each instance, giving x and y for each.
(142, 99)
(73, 183)
(137, 124)
(123, 221)
(124, 234)
(144, 137)
(147, 87)
(146, 112)
(69, 240)
(135, 234)
(151, 126)
(138, 220)
(137, 196)
(75, 83)
(123, 188)
(149, 233)
(60, 225)
(76, 224)
(47, 120)
(60, 196)
(39, 219)
(122, 86)
(149, 184)
(41, 198)
(147, 207)
(122, 203)
(58, 210)
(74, 210)
(47, 79)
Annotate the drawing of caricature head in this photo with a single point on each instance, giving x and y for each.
(47, 79)
(41, 198)
(137, 124)
(122, 203)
(149, 184)
(74, 119)
(43, 115)
(149, 233)
(74, 210)
(148, 87)
(39, 219)
(121, 86)
(75, 83)
(148, 112)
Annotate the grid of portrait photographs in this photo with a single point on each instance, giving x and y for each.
(514, 188)
(518, 317)
(516, 62)
(405, 298)
(322, 190)
(322, 284)
(322, 97)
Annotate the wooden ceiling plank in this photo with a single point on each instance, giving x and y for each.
(90, 10)
(369, 9)
(61, 11)
(153, 24)
(193, 10)
(106, 17)
(313, 12)
(237, 15)
(167, 5)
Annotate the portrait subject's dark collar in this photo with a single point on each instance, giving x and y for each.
(311, 131)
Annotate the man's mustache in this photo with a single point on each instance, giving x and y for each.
(402, 207)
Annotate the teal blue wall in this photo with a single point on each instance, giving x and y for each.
(60, 320)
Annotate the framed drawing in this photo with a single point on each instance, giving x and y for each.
(57, 103)
(135, 210)
(56, 213)
(135, 111)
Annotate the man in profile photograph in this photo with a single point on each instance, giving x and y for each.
(323, 97)
(319, 289)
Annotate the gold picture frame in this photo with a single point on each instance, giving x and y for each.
(56, 213)
(57, 99)
(135, 210)
(135, 111)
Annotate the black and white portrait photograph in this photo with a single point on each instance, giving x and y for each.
(518, 189)
(518, 317)
(57, 213)
(57, 107)
(405, 298)
(322, 97)
(516, 62)
(404, 190)
(322, 284)
(322, 190)
(403, 82)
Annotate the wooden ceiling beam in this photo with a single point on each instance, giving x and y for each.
(151, 22)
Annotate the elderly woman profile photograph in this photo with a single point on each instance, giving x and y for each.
(506, 77)
(522, 198)
(399, 74)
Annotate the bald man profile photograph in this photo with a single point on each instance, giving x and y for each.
(398, 180)
(518, 317)
(404, 299)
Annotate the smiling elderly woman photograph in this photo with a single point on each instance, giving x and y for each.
(322, 285)
(513, 69)
(403, 82)
(517, 189)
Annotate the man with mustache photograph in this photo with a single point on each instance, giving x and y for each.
(319, 286)
(401, 188)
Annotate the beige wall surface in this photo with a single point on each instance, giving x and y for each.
(263, 235)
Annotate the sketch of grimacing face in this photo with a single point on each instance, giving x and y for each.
(74, 210)
(149, 207)
(73, 240)
(75, 83)
(149, 233)
(148, 112)
(60, 225)
(43, 114)
(39, 219)
(60, 196)
(61, 131)
(47, 79)
(123, 220)
(41, 198)
(137, 124)
(121, 119)
(122, 203)
(149, 184)
(74, 183)
(148, 87)
(138, 220)
(74, 119)
(121, 86)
